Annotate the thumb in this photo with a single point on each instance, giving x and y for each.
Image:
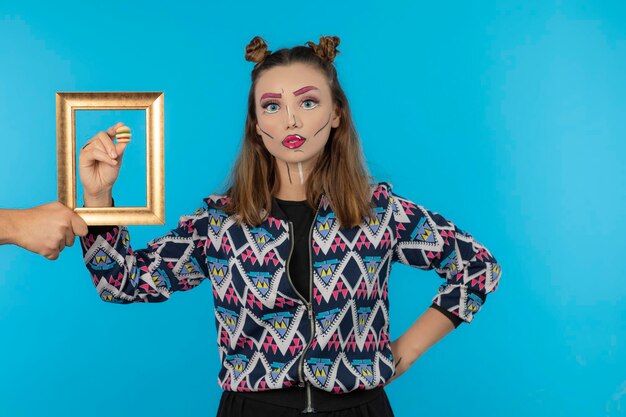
(119, 149)
(78, 225)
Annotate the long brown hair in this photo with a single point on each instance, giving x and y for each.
(340, 171)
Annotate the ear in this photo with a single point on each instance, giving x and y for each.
(336, 118)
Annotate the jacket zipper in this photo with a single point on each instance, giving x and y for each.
(309, 406)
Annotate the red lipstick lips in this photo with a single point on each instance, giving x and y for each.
(293, 141)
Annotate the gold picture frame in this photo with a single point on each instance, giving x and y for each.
(152, 102)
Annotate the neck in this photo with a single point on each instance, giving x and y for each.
(293, 178)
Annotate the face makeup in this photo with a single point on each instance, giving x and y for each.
(295, 113)
(288, 173)
(293, 141)
(299, 171)
(295, 93)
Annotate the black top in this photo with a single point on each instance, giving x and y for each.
(301, 216)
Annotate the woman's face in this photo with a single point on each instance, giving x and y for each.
(294, 112)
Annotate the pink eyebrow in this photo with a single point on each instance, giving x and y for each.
(271, 95)
(304, 90)
(295, 93)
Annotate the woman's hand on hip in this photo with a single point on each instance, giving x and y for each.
(403, 358)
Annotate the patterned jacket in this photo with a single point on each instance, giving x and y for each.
(269, 336)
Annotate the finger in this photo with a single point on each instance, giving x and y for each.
(100, 155)
(120, 147)
(79, 227)
(108, 144)
(69, 237)
(52, 256)
(93, 143)
(112, 129)
(61, 243)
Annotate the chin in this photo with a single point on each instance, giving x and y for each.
(295, 156)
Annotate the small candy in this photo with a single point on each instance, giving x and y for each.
(122, 134)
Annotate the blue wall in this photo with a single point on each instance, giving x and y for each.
(507, 117)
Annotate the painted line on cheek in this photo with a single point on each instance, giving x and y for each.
(326, 124)
(266, 133)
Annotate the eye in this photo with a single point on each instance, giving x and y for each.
(310, 103)
(271, 107)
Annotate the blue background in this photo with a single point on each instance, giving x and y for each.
(130, 190)
(506, 117)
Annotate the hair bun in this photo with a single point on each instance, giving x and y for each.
(327, 47)
(256, 50)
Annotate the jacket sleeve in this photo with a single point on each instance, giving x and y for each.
(174, 262)
(425, 239)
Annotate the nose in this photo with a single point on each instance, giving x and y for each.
(291, 121)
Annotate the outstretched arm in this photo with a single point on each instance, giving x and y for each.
(46, 229)
(174, 262)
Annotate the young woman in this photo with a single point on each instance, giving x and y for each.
(298, 251)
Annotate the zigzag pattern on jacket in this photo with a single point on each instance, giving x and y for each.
(264, 334)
